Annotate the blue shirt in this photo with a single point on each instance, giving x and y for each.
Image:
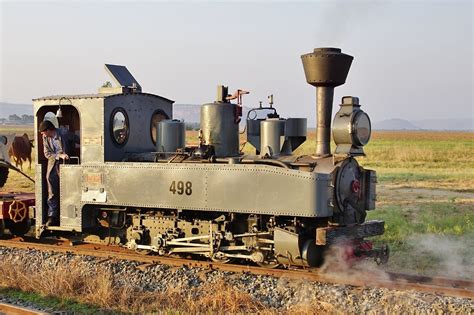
(58, 144)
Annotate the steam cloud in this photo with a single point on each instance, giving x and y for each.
(452, 258)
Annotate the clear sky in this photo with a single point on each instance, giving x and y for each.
(413, 59)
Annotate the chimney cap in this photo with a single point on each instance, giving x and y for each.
(326, 66)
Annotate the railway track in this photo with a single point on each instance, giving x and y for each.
(10, 309)
(358, 278)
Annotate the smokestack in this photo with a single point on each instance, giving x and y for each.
(325, 68)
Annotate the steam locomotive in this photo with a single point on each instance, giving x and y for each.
(132, 181)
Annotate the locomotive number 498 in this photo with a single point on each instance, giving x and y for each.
(180, 187)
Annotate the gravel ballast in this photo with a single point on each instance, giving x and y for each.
(280, 294)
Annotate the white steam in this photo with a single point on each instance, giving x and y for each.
(451, 258)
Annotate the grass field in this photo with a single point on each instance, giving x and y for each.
(425, 194)
(17, 182)
(417, 158)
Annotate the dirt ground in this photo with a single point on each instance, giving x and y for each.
(400, 194)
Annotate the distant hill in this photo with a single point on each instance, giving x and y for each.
(446, 124)
(465, 124)
(394, 124)
(188, 112)
(7, 109)
(191, 113)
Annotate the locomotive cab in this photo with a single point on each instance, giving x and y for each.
(102, 122)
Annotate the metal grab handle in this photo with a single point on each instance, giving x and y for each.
(72, 158)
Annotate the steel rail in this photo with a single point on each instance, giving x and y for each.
(11, 309)
(389, 280)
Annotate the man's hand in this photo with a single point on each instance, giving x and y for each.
(63, 156)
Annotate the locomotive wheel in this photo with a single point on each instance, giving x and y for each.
(269, 265)
(143, 252)
(220, 258)
(312, 253)
(264, 260)
(20, 228)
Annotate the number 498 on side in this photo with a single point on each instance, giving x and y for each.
(180, 188)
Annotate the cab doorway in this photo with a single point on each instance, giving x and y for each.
(68, 121)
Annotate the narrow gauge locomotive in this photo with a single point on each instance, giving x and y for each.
(133, 182)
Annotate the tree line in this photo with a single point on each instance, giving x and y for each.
(16, 119)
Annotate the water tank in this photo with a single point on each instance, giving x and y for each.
(170, 135)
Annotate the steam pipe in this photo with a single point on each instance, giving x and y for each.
(255, 161)
(324, 98)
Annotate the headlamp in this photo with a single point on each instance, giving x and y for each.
(351, 128)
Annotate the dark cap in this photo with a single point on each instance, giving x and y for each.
(46, 125)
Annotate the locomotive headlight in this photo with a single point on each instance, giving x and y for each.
(361, 128)
(351, 128)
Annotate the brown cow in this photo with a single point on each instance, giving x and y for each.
(20, 150)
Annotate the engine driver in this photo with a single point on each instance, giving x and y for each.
(57, 145)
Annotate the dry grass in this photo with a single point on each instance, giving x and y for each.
(17, 130)
(80, 282)
(423, 135)
(17, 182)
